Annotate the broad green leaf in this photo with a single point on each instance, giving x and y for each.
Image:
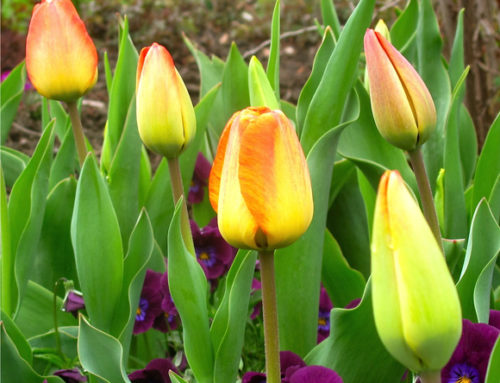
(261, 91)
(404, 28)
(47, 341)
(54, 256)
(474, 286)
(354, 349)
(13, 163)
(107, 72)
(454, 251)
(66, 161)
(493, 372)
(494, 200)
(188, 287)
(488, 164)
(6, 265)
(14, 367)
(176, 378)
(320, 61)
(343, 170)
(369, 194)
(11, 92)
(468, 145)
(455, 214)
(17, 338)
(298, 266)
(457, 65)
(26, 208)
(100, 354)
(329, 16)
(228, 327)
(97, 244)
(273, 64)
(63, 122)
(38, 302)
(435, 76)
(342, 283)
(327, 104)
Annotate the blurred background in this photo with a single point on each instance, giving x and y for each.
(212, 25)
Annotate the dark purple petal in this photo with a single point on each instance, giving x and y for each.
(325, 304)
(254, 377)
(290, 362)
(354, 303)
(472, 352)
(200, 179)
(155, 372)
(494, 319)
(315, 374)
(71, 375)
(256, 284)
(168, 319)
(149, 303)
(73, 303)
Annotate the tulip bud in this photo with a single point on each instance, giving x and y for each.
(401, 104)
(61, 59)
(259, 183)
(165, 114)
(415, 302)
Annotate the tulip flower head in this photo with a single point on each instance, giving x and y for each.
(401, 103)
(415, 302)
(259, 183)
(165, 114)
(61, 59)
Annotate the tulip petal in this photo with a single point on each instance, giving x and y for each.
(274, 179)
(61, 58)
(392, 111)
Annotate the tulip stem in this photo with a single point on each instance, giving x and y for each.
(271, 339)
(76, 124)
(424, 188)
(430, 377)
(178, 192)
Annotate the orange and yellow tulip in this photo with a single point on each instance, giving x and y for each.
(415, 302)
(401, 103)
(260, 184)
(165, 113)
(61, 59)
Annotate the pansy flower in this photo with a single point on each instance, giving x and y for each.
(73, 302)
(155, 372)
(169, 317)
(200, 179)
(494, 319)
(72, 375)
(214, 254)
(325, 306)
(149, 303)
(471, 356)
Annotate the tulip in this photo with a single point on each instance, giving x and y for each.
(165, 114)
(61, 59)
(402, 106)
(415, 302)
(259, 183)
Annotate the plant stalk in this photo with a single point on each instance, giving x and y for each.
(178, 192)
(424, 188)
(271, 338)
(56, 327)
(430, 377)
(76, 124)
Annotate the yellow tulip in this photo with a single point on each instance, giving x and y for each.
(415, 302)
(401, 103)
(260, 184)
(165, 114)
(61, 59)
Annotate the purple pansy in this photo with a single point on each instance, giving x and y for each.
(325, 306)
(73, 302)
(155, 372)
(200, 179)
(471, 356)
(353, 304)
(72, 375)
(149, 303)
(494, 319)
(169, 318)
(214, 254)
(294, 370)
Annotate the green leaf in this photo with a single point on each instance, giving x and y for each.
(228, 327)
(68, 336)
(188, 287)
(100, 353)
(38, 302)
(342, 283)
(95, 232)
(26, 208)
(493, 372)
(176, 378)
(483, 246)
(6, 265)
(63, 122)
(66, 162)
(261, 91)
(494, 199)
(18, 338)
(54, 256)
(354, 349)
(468, 145)
(404, 28)
(327, 104)
(457, 65)
(435, 76)
(273, 64)
(343, 170)
(14, 367)
(329, 16)
(107, 72)
(11, 92)
(13, 163)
